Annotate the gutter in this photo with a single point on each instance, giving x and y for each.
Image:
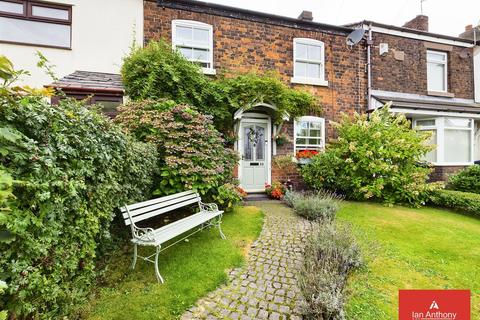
(83, 89)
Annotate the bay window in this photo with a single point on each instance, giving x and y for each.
(194, 40)
(35, 23)
(453, 138)
(437, 73)
(309, 133)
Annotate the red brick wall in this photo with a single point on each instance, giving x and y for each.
(242, 46)
(442, 173)
(410, 75)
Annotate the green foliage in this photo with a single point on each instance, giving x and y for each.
(3, 286)
(331, 253)
(192, 154)
(457, 200)
(320, 206)
(156, 72)
(71, 169)
(228, 195)
(375, 158)
(467, 180)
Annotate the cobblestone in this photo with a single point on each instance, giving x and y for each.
(266, 287)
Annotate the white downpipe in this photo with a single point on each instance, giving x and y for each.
(369, 67)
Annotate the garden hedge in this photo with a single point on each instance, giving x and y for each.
(64, 170)
(467, 180)
(457, 200)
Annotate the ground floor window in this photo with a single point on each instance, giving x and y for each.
(309, 133)
(453, 138)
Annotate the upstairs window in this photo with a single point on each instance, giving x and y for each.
(35, 23)
(309, 133)
(437, 71)
(308, 62)
(194, 40)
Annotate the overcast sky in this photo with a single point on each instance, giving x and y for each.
(445, 16)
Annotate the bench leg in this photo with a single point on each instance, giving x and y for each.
(219, 226)
(134, 262)
(157, 273)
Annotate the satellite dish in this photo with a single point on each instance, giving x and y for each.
(355, 36)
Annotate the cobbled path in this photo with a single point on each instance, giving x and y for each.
(266, 287)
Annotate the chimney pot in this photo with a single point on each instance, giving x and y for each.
(306, 16)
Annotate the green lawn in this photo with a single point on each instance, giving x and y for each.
(407, 248)
(190, 269)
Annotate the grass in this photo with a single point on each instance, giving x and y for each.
(407, 248)
(190, 269)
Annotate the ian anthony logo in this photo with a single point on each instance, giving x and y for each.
(434, 313)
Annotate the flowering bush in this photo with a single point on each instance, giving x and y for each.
(374, 158)
(192, 154)
(276, 190)
(306, 154)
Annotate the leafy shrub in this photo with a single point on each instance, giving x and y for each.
(375, 158)
(228, 195)
(3, 286)
(276, 190)
(315, 208)
(467, 180)
(457, 200)
(71, 168)
(330, 255)
(291, 196)
(156, 72)
(191, 151)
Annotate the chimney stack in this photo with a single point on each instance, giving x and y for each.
(420, 23)
(306, 16)
(469, 32)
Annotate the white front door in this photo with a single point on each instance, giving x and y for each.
(255, 154)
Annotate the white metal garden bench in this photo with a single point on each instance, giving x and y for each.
(208, 216)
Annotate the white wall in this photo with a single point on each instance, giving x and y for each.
(476, 67)
(102, 33)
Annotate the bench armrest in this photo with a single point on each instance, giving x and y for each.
(208, 206)
(144, 234)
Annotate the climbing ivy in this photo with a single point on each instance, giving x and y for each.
(156, 71)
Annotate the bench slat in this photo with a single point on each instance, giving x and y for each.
(155, 201)
(164, 204)
(175, 229)
(160, 211)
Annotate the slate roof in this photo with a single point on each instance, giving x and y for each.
(427, 103)
(90, 81)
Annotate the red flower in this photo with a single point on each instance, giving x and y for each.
(306, 154)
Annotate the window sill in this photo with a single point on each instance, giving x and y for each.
(209, 71)
(453, 164)
(441, 94)
(309, 81)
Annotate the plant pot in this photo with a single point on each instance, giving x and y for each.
(303, 161)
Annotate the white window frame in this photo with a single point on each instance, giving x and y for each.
(321, 147)
(199, 25)
(440, 128)
(306, 80)
(445, 65)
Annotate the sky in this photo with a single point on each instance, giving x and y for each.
(447, 17)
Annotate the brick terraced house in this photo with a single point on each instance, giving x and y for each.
(427, 76)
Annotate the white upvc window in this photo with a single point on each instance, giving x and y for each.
(437, 71)
(194, 40)
(309, 133)
(453, 138)
(309, 62)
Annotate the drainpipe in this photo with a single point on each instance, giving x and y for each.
(369, 66)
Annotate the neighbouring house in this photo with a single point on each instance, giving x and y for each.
(85, 40)
(306, 54)
(430, 78)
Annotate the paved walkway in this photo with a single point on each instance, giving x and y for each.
(265, 288)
